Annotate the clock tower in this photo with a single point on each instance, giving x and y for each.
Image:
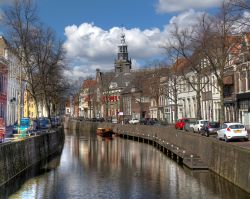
(122, 63)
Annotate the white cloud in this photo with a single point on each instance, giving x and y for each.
(166, 6)
(89, 47)
(184, 20)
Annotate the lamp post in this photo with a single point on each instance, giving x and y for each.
(13, 110)
(19, 111)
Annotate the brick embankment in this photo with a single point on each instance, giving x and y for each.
(19, 155)
(227, 160)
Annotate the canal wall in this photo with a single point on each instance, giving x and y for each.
(227, 160)
(16, 156)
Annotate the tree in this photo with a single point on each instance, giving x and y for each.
(106, 79)
(20, 20)
(182, 47)
(35, 47)
(138, 89)
(48, 56)
(216, 41)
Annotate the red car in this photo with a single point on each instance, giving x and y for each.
(181, 123)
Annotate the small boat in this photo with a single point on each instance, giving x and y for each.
(104, 132)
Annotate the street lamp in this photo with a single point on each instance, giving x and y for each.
(19, 112)
(13, 112)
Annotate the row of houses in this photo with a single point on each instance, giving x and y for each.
(127, 93)
(15, 101)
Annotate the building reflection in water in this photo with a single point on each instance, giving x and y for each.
(92, 167)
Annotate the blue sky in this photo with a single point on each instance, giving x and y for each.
(105, 14)
(91, 29)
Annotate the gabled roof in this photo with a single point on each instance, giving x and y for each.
(89, 83)
(122, 79)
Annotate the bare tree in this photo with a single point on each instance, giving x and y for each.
(182, 46)
(20, 20)
(106, 79)
(139, 89)
(172, 86)
(48, 56)
(216, 42)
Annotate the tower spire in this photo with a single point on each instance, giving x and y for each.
(122, 62)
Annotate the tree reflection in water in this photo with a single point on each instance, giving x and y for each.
(92, 167)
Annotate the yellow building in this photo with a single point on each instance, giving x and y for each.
(29, 109)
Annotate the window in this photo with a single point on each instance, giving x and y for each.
(113, 85)
(237, 126)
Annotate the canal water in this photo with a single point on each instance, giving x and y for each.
(92, 167)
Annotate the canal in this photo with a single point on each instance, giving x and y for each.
(92, 167)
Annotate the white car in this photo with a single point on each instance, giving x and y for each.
(134, 121)
(198, 125)
(114, 120)
(229, 131)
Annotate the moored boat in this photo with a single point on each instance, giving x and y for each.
(104, 132)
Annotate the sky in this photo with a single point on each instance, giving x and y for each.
(91, 29)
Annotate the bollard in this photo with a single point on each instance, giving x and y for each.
(191, 156)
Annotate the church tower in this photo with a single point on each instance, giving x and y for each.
(122, 63)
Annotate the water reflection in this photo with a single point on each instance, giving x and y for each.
(92, 167)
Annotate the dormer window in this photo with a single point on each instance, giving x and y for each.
(113, 85)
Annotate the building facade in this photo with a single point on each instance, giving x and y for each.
(4, 100)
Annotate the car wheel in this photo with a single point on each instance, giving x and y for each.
(246, 139)
(193, 130)
(225, 138)
(218, 137)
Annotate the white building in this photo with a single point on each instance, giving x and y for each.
(13, 85)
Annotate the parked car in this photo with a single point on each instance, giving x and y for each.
(55, 121)
(15, 128)
(180, 123)
(153, 121)
(34, 125)
(189, 124)
(100, 119)
(44, 123)
(210, 128)
(25, 125)
(114, 120)
(198, 125)
(230, 131)
(134, 121)
(144, 121)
